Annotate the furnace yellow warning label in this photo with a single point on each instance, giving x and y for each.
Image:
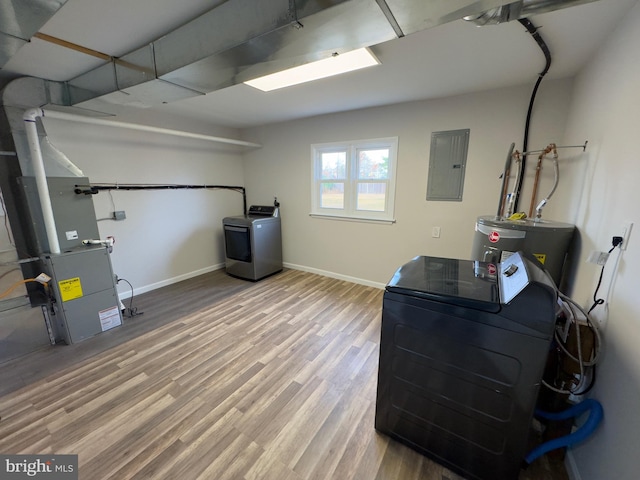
(70, 289)
(541, 257)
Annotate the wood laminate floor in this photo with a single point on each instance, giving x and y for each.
(221, 379)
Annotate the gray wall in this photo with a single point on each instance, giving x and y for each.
(168, 235)
(370, 253)
(600, 195)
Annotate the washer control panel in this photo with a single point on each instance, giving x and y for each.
(514, 277)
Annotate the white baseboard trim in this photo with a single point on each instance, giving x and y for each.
(570, 465)
(169, 281)
(338, 276)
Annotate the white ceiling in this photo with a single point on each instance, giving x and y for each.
(450, 59)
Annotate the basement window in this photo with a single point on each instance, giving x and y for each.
(355, 179)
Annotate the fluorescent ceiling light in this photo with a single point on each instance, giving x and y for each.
(335, 65)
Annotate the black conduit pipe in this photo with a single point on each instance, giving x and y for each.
(547, 55)
(96, 188)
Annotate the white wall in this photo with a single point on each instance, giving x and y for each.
(603, 194)
(370, 253)
(167, 235)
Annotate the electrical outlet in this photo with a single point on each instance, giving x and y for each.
(598, 258)
(119, 215)
(435, 232)
(626, 233)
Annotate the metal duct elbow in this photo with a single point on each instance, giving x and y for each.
(520, 9)
(495, 16)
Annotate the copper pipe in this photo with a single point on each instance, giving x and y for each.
(534, 194)
(504, 176)
(505, 187)
(505, 204)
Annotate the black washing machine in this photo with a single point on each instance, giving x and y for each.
(462, 352)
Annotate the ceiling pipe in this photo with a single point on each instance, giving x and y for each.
(31, 129)
(145, 128)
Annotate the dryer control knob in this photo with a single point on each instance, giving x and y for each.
(511, 269)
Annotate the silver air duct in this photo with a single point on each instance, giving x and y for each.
(239, 40)
(521, 9)
(19, 21)
(244, 39)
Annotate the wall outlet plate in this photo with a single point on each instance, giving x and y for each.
(599, 258)
(119, 215)
(626, 233)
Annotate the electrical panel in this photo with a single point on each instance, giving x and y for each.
(447, 163)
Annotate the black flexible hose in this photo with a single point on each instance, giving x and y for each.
(525, 143)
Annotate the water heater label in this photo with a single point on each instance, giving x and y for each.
(494, 237)
(70, 289)
(502, 232)
(541, 257)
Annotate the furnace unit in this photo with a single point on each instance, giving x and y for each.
(86, 301)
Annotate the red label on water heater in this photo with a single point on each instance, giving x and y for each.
(494, 237)
(491, 269)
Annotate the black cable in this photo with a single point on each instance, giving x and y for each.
(132, 312)
(8, 272)
(525, 143)
(96, 187)
(599, 301)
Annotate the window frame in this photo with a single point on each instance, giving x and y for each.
(352, 180)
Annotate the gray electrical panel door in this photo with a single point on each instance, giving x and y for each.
(447, 163)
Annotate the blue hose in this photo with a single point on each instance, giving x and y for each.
(595, 416)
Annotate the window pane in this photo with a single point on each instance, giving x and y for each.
(371, 196)
(332, 195)
(373, 164)
(334, 165)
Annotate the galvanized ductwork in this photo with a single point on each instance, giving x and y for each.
(244, 39)
(521, 9)
(17, 162)
(20, 20)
